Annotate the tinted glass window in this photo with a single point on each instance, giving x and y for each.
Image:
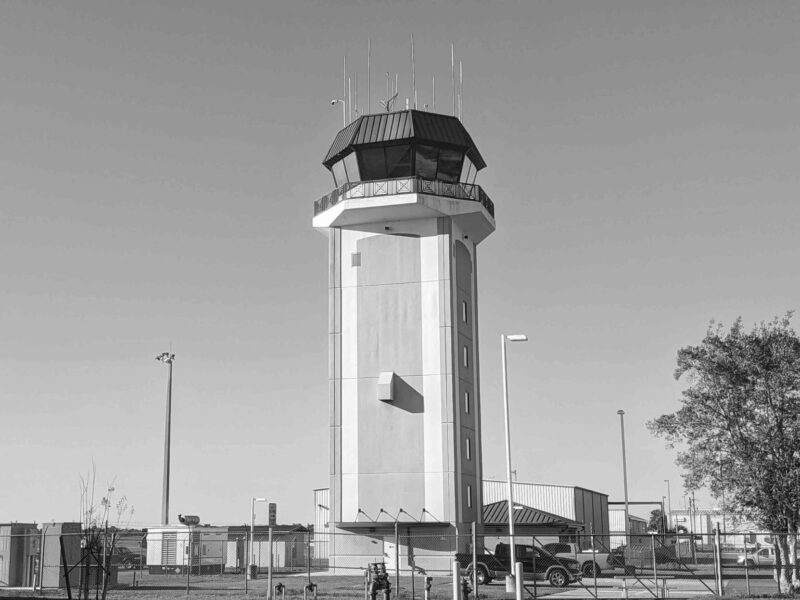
(351, 165)
(373, 163)
(398, 161)
(449, 164)
(339, 176)
(427, 157)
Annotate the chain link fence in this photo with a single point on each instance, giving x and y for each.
(405, 562)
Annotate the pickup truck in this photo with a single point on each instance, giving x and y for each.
(536, 563)
(593, 562)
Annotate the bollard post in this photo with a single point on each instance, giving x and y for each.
(428, 586)
(280, 589)
(456, 580)
(625, 588)
(518, 576)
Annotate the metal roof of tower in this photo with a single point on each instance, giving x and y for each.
(409, 124)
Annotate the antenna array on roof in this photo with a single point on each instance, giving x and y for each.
(350, 92)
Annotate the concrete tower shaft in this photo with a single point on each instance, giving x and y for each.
(403, 227)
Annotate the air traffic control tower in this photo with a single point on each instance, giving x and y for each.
(403, 225)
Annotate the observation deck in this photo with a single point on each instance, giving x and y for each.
(404, 165)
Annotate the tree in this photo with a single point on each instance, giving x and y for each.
(98, 541)
(658, 522)
(739, 427)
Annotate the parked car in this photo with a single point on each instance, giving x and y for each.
(593, 562)
(757, 557)
(536, 563)
(641, 555)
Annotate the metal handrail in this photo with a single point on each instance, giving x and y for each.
(405, 185)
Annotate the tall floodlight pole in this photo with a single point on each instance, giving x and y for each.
(503, 339)
(169, 358)
(621, 414)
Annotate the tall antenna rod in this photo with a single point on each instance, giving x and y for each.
(453, 76)
(349, 103)
(434, 93)
(413, 73)
(344, 84)
(355, 95)
(369, 96)
(460, 91)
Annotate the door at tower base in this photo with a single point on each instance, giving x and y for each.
(403, 372)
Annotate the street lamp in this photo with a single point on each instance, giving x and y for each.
(511, 578)
(251, 555)
(169, 358)
(621, 414)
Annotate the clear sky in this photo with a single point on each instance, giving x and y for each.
(158, 167)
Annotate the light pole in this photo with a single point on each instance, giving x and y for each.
(251, 555)
(169, 358)
(669, 503)
(621, 414)
(511, 578)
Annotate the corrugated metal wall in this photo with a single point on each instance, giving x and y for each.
(591, 509)
(556, 499)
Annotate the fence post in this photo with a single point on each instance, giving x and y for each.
(396, 560)
(474, 561)
(655, 568)
(746, 567)
(718, 560)
(63, 565)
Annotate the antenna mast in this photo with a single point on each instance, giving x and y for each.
(453, 75)
(413, 73)
(344, 84)
(460, 91)
(434, 93)
(369, 96)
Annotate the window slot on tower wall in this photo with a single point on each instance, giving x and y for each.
(464, 315)
(469, 448)
(466, 357)
(469, 496)
(466, 402)
(355, 259)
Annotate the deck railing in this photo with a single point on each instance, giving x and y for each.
(405, 185)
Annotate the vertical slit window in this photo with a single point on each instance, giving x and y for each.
(355, 259)
(469, 496)
(466, 357)
(466, 402)
(469, 448)
(464, 311)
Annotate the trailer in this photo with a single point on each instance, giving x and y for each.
(176, 548)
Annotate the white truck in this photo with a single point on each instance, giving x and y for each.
(592, 562)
